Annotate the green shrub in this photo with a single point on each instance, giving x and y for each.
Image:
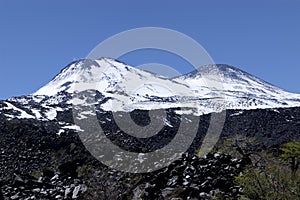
(270, 178)
(291, 153)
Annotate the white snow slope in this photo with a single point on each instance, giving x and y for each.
(210, 88)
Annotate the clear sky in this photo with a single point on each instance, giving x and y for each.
(39, 38)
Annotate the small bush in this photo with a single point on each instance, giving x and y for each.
(271, 182)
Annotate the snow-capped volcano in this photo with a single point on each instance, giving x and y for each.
(210, 88)
(129, 87)
(106, 76)
(240, 89)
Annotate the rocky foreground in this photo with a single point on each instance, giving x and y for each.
(36, 166)
(37, 163)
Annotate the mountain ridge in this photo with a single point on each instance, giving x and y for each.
(210, 88)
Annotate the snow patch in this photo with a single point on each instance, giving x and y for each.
(73, 127)
(85, 114)
(51, 114)
(36, 113)
(236, 114)
(23, 113)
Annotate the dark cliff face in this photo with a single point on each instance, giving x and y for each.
(28, 148)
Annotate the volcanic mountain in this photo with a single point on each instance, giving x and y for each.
(208, 89)
(42, 155)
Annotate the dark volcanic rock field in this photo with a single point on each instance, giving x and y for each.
(36, 163)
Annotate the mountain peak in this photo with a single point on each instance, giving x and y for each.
(78, 71)
(216, 69)
(129, 86)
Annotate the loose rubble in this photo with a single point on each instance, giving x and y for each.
(45, 187)
(36, 163)
(195, 178)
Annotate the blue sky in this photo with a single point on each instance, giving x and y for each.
(39, 38)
